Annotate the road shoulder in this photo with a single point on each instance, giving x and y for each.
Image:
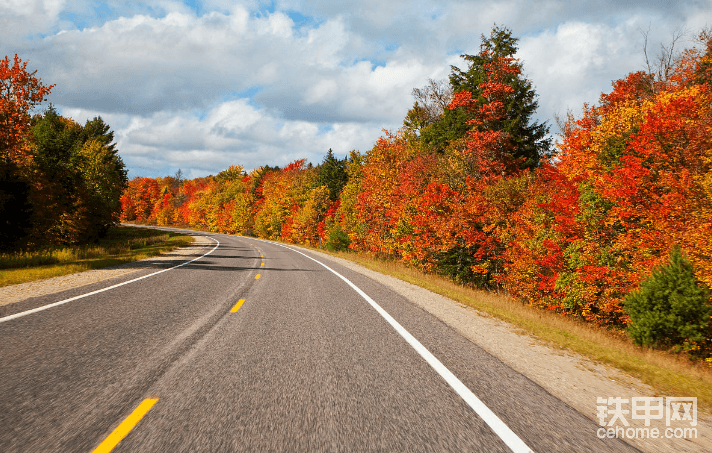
(23, 291)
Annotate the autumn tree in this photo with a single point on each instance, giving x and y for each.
(104, 178)
(20, 92)
(512, 108)
(346, 220)
(281, 195)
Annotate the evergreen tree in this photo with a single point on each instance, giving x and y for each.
(332, 174)
(529, 138)
(670, 307)
(81, 178)
(55, 140)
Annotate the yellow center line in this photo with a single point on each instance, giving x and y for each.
(257, 277)
(126, 426)
(237, 306)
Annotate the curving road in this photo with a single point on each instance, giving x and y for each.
(209, 357)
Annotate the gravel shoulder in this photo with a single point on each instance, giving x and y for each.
(576, 380)
(18, 293)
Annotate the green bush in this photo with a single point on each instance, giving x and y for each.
(338, 240)
(670, 309)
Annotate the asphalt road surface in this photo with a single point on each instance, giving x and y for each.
(257, 347)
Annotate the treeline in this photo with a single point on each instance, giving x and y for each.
(472, 187)
(60, 182)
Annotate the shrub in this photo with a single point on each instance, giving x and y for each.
(338, 240)
(670, 309)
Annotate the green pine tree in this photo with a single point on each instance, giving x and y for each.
(670, 308)
(332, 174)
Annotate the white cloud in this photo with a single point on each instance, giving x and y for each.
(203, 87)
(141, 64)
(231, 133)
(22, 17)
(575, 62)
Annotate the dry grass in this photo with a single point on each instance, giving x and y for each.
(122, 245)
(667, 373)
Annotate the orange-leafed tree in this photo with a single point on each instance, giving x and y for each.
(377, 210)
(632, 182)
(486, 162)
(20, 92)
(280, 195)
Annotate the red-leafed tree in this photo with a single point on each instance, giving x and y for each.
(20, 92)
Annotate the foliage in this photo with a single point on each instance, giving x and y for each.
(670, 308)
(20, 92)
(338, 240)
(60, 182)
(332, 174)
(491, 96)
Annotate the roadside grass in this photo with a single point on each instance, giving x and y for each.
(121, 245)
(669, 374)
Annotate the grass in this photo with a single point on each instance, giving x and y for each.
(669, 374)
(121, 245)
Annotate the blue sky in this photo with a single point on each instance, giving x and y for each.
(201, 85)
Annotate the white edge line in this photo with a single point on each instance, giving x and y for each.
(498, 426)
(61, 302)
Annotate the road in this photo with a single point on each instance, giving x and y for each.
(258, 347)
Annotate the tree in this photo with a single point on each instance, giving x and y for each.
(79, 178)
(430, 104)
(703, 71)
(494, 82)
(346, 217)
(333, 175)
(57, 181)
(20, 92)
(233, 173)
(670, 308)
(103, 179)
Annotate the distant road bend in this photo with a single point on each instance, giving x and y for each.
(258, 346)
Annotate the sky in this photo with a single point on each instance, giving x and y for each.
(202, 85)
